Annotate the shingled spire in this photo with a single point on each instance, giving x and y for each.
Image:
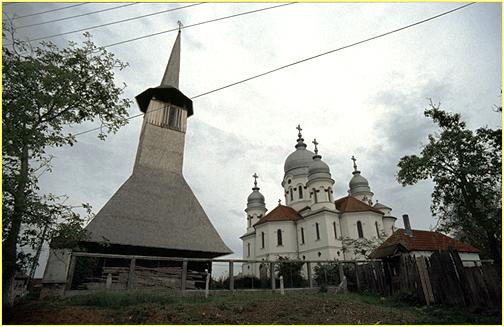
(171, 75)
(155, 211)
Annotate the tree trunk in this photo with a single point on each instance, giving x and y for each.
(36, 258)
(9, 250)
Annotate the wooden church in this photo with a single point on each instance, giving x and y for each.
(155, 212)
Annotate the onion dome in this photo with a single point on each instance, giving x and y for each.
(318, 168)
(358, 184)
(297, 162)
(255, 199)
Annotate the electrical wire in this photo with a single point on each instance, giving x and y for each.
(196, 24)
(116, 22)
(48, 11)
(309, 58)
(76, 16)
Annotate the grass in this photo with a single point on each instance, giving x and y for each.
(139, 302)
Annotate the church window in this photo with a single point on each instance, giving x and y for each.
(291, 194)
(262, 240)
(329, 194)
(319, 254)
(377, 230)
(359, 229)
(302, 235)
(317, 231)
(248, 249)
(304, 258)
(289, 181)
(334, 227)
(300, 192)
(279, 237)
(315, 195)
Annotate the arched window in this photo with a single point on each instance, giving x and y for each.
(291, 194)
(317, 231)
(262, 240)
(315, 195)
(359, 229)
(279, 237)
(248, 249)
(334, 227)
(377, 230)
(329, 194)
(302, 235)
(300, 191)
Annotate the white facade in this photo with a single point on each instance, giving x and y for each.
(311, 225)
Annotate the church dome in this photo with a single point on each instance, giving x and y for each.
(318, 168)
(255, 199)
(297, 162)
(358, 183)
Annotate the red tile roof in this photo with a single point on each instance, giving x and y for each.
(421, 240)
(280, 213)
(351, 204)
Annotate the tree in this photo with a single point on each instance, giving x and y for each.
(45, 90)
(291, 272)
(465, 167)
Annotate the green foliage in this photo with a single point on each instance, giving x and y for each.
(466, 168)
(291, 272)
(361, 247)
(326, 274)
(46, 90)
(240, 282)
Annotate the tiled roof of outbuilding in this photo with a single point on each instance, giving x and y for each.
(421, 240)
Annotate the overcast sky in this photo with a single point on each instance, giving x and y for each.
(366, 100)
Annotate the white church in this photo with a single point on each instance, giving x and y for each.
(312, 225)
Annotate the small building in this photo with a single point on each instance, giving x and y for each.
(423, 243)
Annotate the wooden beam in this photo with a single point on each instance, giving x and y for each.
(272, 273)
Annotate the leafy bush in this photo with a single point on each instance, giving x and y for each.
(327, 274)
(291, 272)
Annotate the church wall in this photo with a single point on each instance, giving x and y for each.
(388, 225)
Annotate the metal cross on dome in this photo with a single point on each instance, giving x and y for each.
(316, 143)
(179, 23)
(354, 164)
(299, 130)
(255, 179)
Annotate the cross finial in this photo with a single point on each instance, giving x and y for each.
(279, 202)
(354, 164)
(299, 130)
(179, 23)
(255, 179)
(316, 143)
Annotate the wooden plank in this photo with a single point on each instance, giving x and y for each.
(310, 279)
(357, 279)
(424, 280)
(272, 275)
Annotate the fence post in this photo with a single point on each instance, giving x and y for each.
(71, 269)
(131, 274)
(207, 283)
(184, 276)
(272, 273)
(357, 282)
(231, 275)
(310, 280)
(281, 286)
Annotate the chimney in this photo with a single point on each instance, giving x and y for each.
(407, 225)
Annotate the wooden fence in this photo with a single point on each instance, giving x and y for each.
(442, 278)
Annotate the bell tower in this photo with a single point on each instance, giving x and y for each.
(166, 109)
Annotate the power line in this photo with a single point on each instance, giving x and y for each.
(116, 22)
(306, 59)
(196, 24)
(47, 11)
(76, 16)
